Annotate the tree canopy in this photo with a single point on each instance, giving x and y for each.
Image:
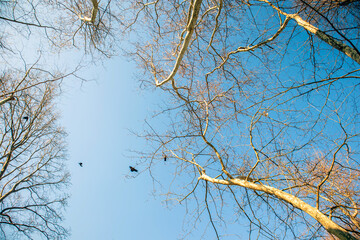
(263, 108)
(261, 101)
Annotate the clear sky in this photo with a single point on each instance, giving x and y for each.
(99, 116)
(108, 202)
(105, 204)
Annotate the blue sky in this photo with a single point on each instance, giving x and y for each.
(98, 116)
(105, 204)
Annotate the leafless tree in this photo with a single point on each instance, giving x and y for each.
(33, 175)
(85, 25)
(261, 99)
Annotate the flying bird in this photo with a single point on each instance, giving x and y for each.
(26, 118)
(81, 164)
(132, 169)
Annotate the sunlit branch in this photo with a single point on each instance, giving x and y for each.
(94, 12)
(189, 29)
(253, 47)
(349, 51)
(5, 100)
(329, 225)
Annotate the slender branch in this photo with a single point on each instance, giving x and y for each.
(208, 210)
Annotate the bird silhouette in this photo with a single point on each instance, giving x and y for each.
(26, 118)
(81, 164)
(132, 169)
